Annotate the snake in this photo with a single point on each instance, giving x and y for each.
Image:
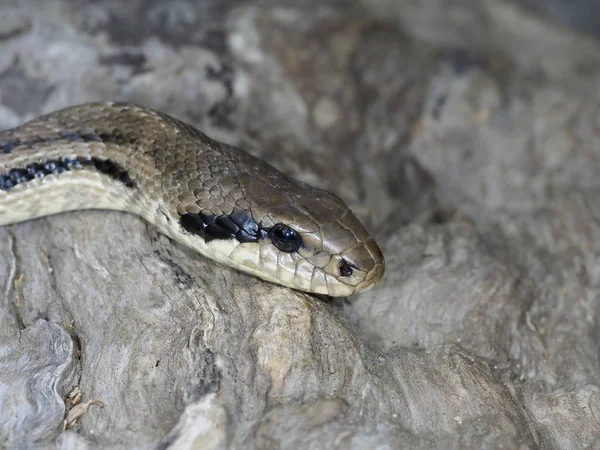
(219, 200)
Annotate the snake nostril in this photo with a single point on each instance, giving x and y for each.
(346, 269)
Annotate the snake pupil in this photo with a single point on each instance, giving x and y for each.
(285, 238)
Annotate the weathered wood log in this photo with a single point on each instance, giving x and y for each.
(477, 174)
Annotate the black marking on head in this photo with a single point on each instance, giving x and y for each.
(69, 136)
(12, 177)
(238, 225)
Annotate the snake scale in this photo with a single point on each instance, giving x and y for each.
(214, 198)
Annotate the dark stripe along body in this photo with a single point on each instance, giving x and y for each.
(16, 176)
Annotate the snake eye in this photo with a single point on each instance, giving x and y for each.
(285, 238)
(346, 269)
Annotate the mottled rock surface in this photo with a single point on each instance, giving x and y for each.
(467, 139)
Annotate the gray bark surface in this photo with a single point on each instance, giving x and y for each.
(467, 139)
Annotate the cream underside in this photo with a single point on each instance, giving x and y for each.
(76, 190)
(246, 258)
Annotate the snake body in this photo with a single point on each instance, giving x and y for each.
(212, 197)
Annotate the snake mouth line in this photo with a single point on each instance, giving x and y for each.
(16, 176)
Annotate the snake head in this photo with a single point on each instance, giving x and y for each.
(282, 230)
(313, 241)
(243, 212)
